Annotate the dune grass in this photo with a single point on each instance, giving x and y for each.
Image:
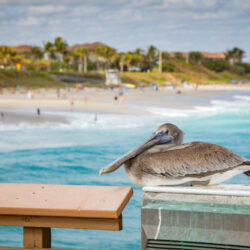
(12, 78)
(183, 72)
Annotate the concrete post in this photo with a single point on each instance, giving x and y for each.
(198, 218)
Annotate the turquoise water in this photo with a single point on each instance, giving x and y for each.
(73, 154)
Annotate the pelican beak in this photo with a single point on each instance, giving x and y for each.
(150, 142)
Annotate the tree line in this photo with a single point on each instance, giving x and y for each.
(55, 56)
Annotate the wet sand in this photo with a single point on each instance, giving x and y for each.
(19, 116)
(17, 107)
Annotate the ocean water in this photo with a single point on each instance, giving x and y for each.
(74, 153)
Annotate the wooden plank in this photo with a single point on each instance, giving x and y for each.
(36, 237)
(124, 203)
(63, 200)
(62, 222)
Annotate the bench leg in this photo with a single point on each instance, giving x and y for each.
(35, 237)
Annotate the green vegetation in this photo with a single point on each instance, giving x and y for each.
(13, 78)
(195, 57)
(217, 65)
(183, 72)
(33, 66)
(235, 55)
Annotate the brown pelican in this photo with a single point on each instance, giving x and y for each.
(163, 160)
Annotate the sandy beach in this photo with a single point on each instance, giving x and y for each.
(18, 107)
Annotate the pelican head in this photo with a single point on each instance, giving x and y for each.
(167, 134)
(171, 130)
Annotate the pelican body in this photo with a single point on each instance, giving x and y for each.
(162, 160)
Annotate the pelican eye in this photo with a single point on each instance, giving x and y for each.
(159, 134)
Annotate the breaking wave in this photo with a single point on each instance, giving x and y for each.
(238, 104)
(80, 120)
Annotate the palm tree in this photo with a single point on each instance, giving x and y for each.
(37, 52)
(235, 55)
(152, 55)
(121, 59)
(106, 53)
(81, 55)
(141, 56)
(140, 52)
(6, 55)
(240, 54)
(136, 58)
(128, 59)
(178, 56)
(18, 58)
(50, 50)
(116, 60)
(160, 61)
(165, 55)
(195, 57)
(60, 47)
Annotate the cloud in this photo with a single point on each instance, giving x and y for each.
(45, 9)
(186, 4)
(127, 24)
(85, 11)
(239, 5)
(30, 21)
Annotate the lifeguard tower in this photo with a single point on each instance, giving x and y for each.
(112, 77)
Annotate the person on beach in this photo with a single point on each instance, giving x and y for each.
(122, 98)
(2, 116)
(71, 104)
(85, 100)
(29, 95)
(121, 92)
(38, 112)
(95, 118)
(58, 93)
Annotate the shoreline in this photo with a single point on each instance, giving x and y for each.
(17, 108)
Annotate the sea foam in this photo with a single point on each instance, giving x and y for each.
(80, 120)
(237, 104)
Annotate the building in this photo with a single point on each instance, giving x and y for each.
(210, 56)
(91, 47)
(23, 49)
(214, 56)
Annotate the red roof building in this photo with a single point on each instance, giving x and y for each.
(23, 49)
(89, 46)
(207, 55)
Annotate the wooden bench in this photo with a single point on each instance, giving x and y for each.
(38, 208)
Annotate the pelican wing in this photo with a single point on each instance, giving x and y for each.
(195, 158)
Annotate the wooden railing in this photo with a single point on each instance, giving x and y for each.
(38, 208)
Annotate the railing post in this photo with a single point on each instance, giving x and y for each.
(196, 217)
(35, 237)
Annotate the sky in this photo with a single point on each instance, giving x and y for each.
(170, 25)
